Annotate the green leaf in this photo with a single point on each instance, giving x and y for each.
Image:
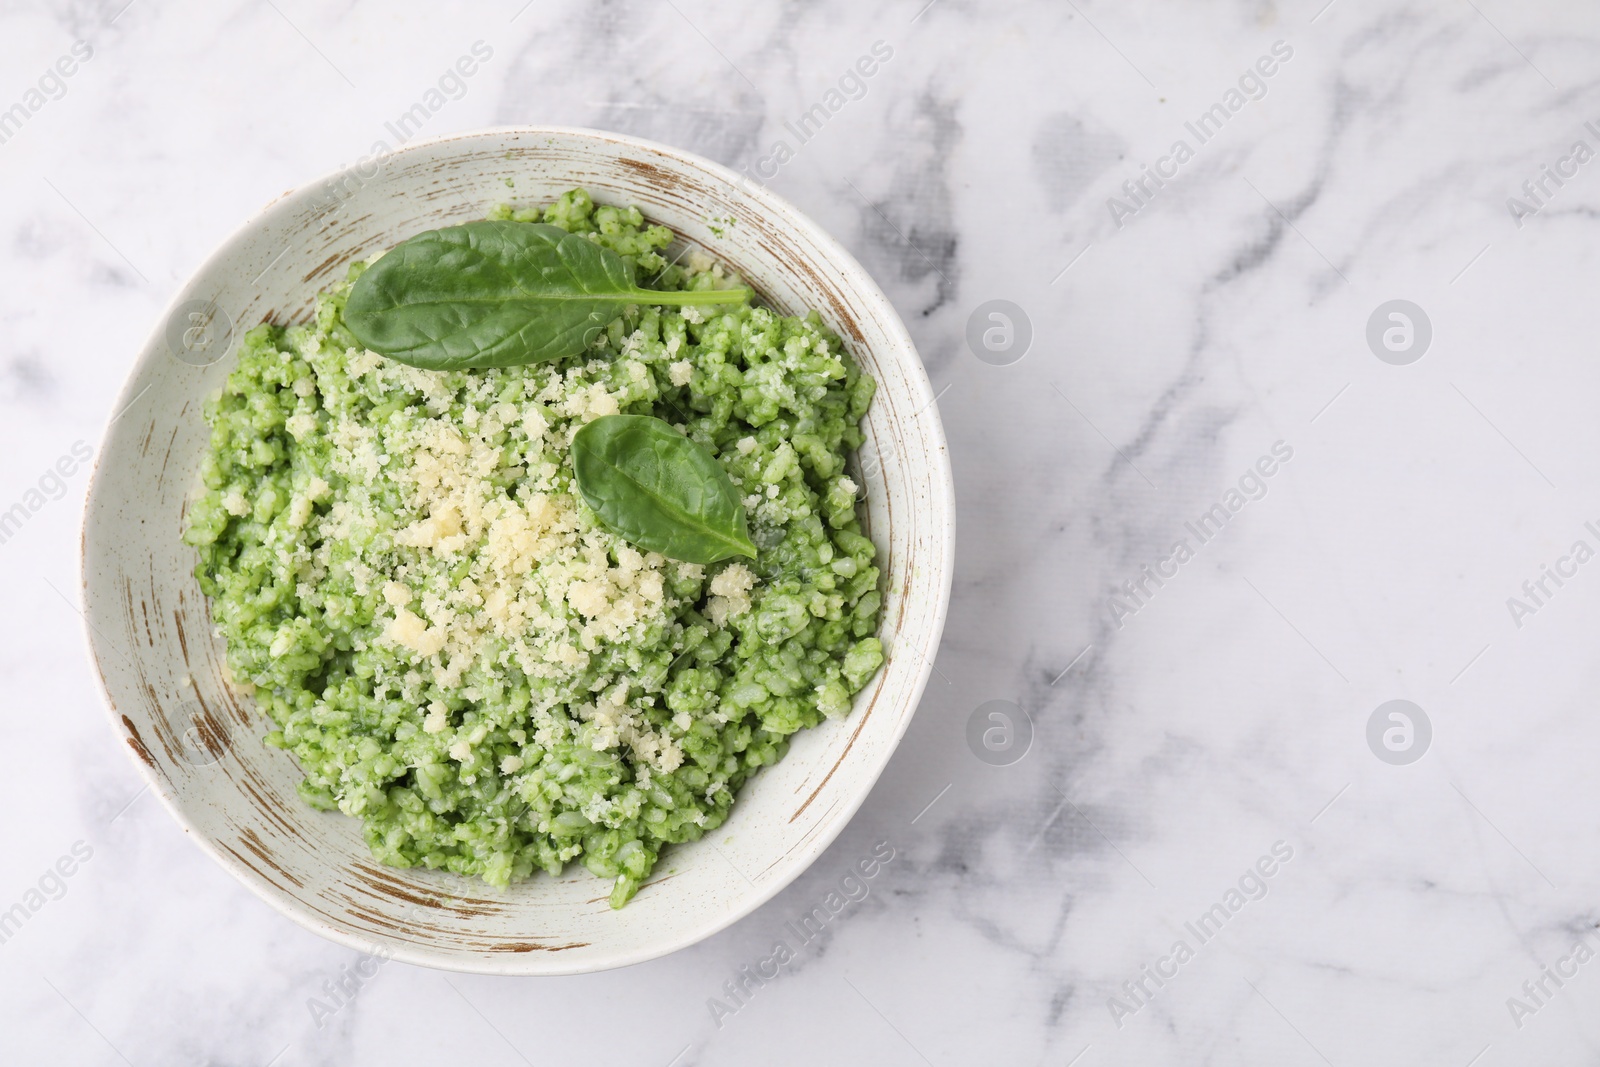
(659, 490)
(498, 294)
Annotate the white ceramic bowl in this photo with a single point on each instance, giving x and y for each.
(198, 743)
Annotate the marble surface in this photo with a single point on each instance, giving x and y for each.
(1187, 734)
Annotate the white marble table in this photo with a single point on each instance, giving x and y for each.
(1186, 727)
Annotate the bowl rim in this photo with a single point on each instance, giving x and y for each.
(800, 859)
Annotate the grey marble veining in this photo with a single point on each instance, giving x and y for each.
(1187, 734)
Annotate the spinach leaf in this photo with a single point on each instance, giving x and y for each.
(659, 490)
(498, 294)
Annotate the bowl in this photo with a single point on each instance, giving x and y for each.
(198, 741)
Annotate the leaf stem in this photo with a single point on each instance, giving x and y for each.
(681, 297)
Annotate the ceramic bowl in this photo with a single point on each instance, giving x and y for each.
(198, 742)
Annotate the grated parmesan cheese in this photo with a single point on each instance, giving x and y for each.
(730, 593)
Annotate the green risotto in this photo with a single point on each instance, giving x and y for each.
(453, 647)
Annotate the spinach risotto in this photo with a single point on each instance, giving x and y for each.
(494, 667)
